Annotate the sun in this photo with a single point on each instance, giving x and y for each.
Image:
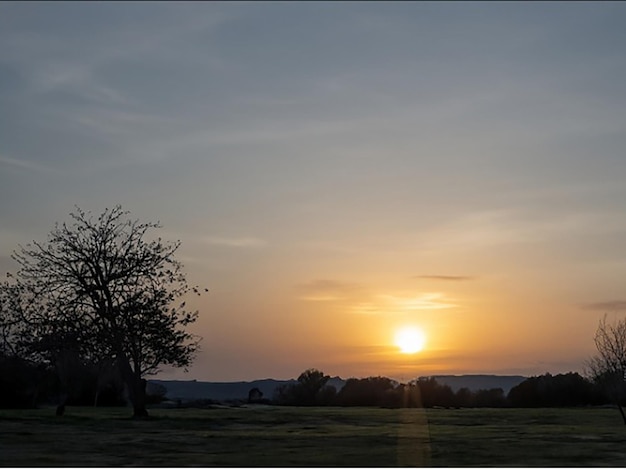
(410, 339)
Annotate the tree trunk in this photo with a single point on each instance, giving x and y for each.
(139, 406)
(136, 387)
(36, 393)
(60, 410)
(621, 411)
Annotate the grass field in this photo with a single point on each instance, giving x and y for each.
(338, 437)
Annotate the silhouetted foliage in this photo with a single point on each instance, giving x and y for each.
(410, 396)
(548, 390)
(310, 389)
(310, 382)
(434, 393)
(255, 395)
(378, 391)
(98, 291)
(384, 392)
(326, 396)
(284, 394)
(464, 398)
(489, 398)
(371, 391)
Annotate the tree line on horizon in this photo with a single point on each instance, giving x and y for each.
(24, 386)
(561, 390)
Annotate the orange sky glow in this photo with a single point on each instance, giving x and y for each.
(336, 171)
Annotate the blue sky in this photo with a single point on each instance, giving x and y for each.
(345, 152)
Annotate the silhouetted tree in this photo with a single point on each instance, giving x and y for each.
(608, 367)
(464, 398)
(310, 382)
(410, 395)
(526, 394)
(548, 390)
(255, 395)
(378, 391)
(285, 394)
(310, 389)
(370, 391)
(326, 396)
(491, 398)
(102, 284)
(435, 394)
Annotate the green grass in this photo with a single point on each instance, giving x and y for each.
(319, 437)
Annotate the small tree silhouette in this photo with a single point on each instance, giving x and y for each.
(608, 367)
(255, 395)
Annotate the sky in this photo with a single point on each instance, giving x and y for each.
(338, 170)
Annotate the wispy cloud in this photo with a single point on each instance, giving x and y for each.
(514, 226)
(428, 301)
(438, 277)
(361, 300)
(25, 165)
(367, 308)
(607, 306)
(326, 290)
(320, 298)
(77, 66)
(235, 242)
(395, 304)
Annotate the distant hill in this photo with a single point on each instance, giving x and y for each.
(193, 390)
(187, 390)
(477, 382)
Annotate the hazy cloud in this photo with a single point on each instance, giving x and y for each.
(235, 242)
(392, 304)
(367, 308)
(609, 305)
(427, 301)
(325, 290)
(444, 277)
(24, 165)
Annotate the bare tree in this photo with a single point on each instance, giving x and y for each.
(608, 367)
(104, 289)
